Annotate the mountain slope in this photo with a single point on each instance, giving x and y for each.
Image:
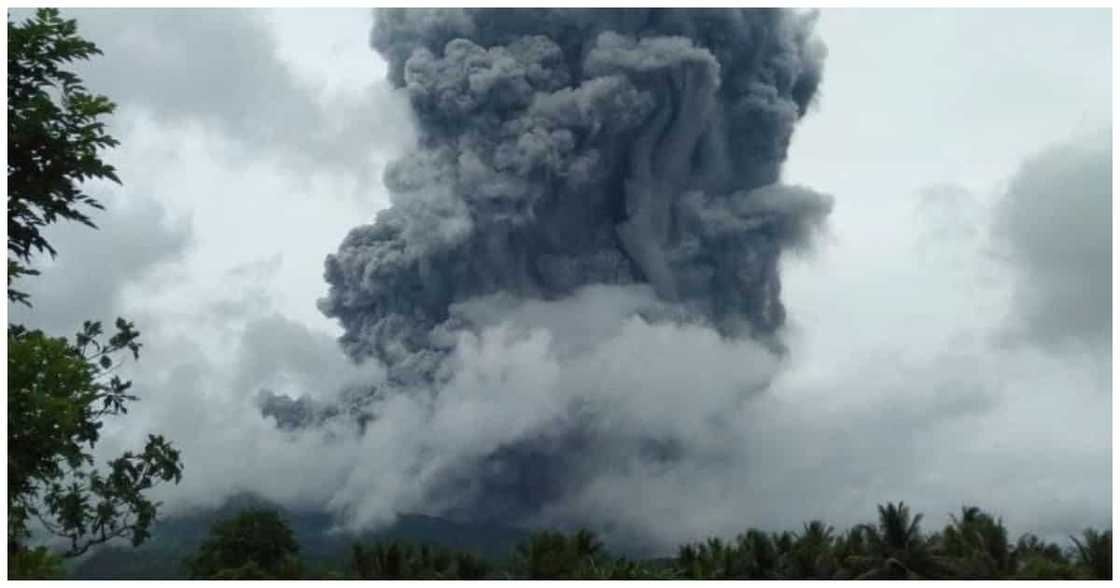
(177, 537)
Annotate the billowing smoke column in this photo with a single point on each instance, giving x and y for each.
(561, 150)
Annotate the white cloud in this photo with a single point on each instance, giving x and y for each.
(227, 69)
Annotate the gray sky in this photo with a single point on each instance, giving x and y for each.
(949, 334)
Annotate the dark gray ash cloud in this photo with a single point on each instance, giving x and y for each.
(617, 164)
(561, 148)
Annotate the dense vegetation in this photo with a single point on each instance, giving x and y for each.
(254, 544)
(258, 543)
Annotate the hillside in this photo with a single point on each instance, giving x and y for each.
(172, 539)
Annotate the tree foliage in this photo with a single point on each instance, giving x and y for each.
(406, 561)
(974, 546)
(551, 554)
(60, 391)
(58, 395)
(255, 544)
(39, 563)
(1094, 553)
(55, 133)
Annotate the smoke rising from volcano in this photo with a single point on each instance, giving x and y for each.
(591, 190)
(560, 148)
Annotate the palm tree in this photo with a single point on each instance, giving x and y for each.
(896, 547)
(379, 561)
(753, 555)
(760, 555)
(1040, 560)
(552, 555)
(1030, 544)
(811, 553)
(624, 569)
(1093, 554)
(851, 553)
(975, 546)
(586, 544)
(719, 559)
(697, 561)
(405, 561)
(688, 562)
(544, 556)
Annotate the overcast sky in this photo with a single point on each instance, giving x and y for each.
(949, 334)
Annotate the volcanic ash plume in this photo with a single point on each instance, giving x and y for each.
(576, 171)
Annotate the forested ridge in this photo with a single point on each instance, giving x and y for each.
(252, 539)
